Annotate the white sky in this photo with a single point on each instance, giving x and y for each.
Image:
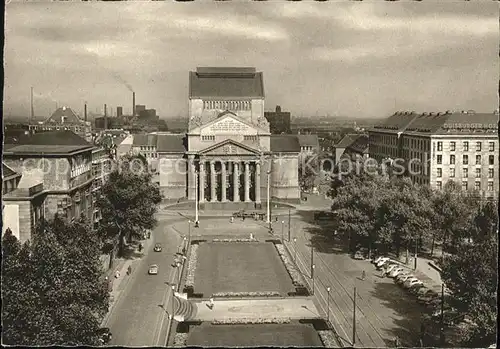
(357, 59)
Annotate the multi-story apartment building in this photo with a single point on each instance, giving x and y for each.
(23, 203)
(101, 169)
(62, 161)
(437, 147)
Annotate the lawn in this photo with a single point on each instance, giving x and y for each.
(240, 267)
(283, 335)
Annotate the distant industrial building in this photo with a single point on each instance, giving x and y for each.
(279, 121)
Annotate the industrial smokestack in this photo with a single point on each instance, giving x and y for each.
(133, 103)
(32, 115)
(105, 117)
(85, 112)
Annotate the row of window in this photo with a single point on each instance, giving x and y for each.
(465, 172)
(465, 146)
(147, 147)
(252, 138)
(465, 159)
(465, 185)
(208, 138)
(307, 148)
(420, 144)
(227, 105)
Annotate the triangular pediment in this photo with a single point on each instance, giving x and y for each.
(227, 123)
(229, 147)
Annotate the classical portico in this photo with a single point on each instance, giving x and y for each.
(228, 150)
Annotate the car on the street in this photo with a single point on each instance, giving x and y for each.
(403, 275)
(158, 247)
(153, 269)
(412, 283)
(425, 292)
(450, 316)
(391, 267)
(358, 255)
(380, 261)
(396, 271)
(429, 298)
(385, 263)
(104, 335)
(409, 280)
(377, 259)
(401, 279)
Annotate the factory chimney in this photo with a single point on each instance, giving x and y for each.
(105, 117)
(32, 115)
(133, 103)
(85, 112)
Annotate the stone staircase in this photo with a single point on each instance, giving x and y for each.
(184, 308)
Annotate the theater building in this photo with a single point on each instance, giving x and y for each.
(228, 152)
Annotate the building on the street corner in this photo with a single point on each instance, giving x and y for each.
(23, 202)
(101, 169)
(279, 121)
(229, 144)
(64, 118)
(358, 148)
(62, 161)
(309, 144)
(437, 147)
(145, 145)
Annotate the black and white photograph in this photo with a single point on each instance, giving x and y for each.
(250, 174)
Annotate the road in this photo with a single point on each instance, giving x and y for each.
(382, 308)
(139, 319)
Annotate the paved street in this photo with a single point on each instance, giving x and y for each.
(383, 310)
(138, 318)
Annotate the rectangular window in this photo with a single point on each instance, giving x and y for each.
(465, 173)
(466, 146)
(464, 185)
(452, 173)
(251, 138)
(478, 146)
(440, 146)
(440, 172)
(490, 186)
(491, 159)
(477, 185)
(440, 159)
(491, 172)
(452, 159)
(465, 159)
(492, 146)
(478, 159)
(478, 173)
(208, 138)
(439, 185)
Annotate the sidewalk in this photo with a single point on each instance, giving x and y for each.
(119, 284)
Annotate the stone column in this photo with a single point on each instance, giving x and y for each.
(236, 182)
(213, 187)
(223, 181)
(191, 178)
(247, 181)
(202, 181)
(257, 182)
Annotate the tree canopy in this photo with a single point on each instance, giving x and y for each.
(52, 287)
(128, 202)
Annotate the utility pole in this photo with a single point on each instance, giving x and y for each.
(354, 318)
(269, 199)
(289, 222)
(312, 276)
(441, 325)
(416, 249)
(312, 259)
(282, 231)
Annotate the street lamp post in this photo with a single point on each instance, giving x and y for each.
(282, 231)
(312, 276)
(312, 258)
(295, 249)
(289, 222)
(196, 224)
(354, 318)
(189, 233)
(328, 303)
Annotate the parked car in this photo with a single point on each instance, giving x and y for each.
(401, 279)
(429, 299)
(377, 259)
(395, 272)
(409, 281)
(358, 255)
(390, 268)
(385, 263)
(153, 269)
(424, 292)
(413, 289)
(157, 248)
(104, 334)
(381, 261)
(412, 283)
(450, 316)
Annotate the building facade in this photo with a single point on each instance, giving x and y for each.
(279, 121)
(64, 118)
(228, 153)
(62, 161)
(437, 147)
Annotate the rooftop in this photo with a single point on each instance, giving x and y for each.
(171, 143)
(285, 144)
(308, 140)
(64, 115)
(145, 140)
(226, 82)
(8, 172)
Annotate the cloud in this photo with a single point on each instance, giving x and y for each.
(231, 27)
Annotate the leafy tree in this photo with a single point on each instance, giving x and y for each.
(52, 289)
(308, 170)
(128, 202)
(472, 273)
